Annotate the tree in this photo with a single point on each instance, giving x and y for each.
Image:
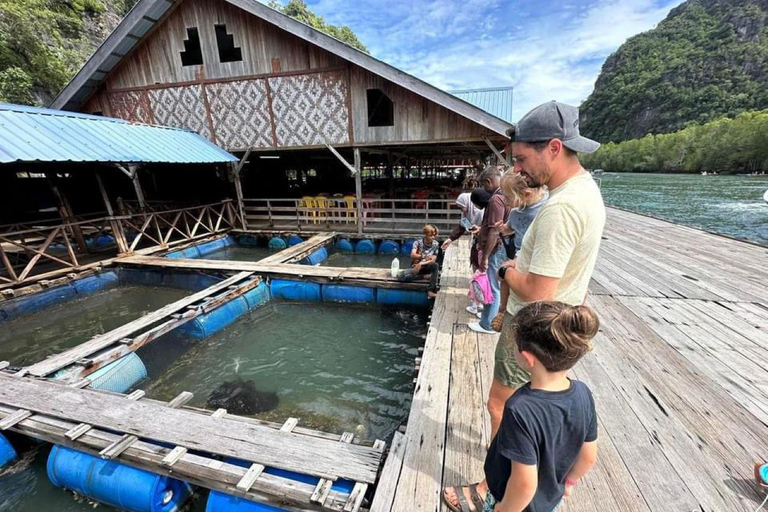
(299, 10)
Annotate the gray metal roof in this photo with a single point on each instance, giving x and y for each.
(146, 13)
(497, 101)
(29, 134)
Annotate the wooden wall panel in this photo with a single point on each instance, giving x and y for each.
(182, 107)
(240, 114)
(131, 105)
(310, 110)
(265, 48)
(415, 118)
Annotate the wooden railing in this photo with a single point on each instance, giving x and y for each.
(374, 215)
(162, 229)
(43, 249)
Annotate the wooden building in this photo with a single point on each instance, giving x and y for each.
(281, 94)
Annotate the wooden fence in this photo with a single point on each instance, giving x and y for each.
(369, 215)
(48, 248)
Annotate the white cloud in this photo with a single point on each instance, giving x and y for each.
(547, 50)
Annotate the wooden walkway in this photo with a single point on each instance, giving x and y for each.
(167, 438)
(679, 374)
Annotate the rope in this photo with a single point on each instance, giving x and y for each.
(762, 504)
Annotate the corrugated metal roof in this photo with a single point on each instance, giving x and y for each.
(29, 134)
(497, 101)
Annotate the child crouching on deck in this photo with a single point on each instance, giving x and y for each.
(548, 435)
(424, 260)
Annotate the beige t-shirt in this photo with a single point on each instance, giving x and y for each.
(563, 240)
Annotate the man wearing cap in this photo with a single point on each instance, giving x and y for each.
(559, 250)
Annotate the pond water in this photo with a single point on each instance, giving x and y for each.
(365, 260)
(335, 367)
(34, 337)
(730, 205)
(239, 253)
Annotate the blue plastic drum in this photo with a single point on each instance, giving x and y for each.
(344, 246)
(316, 258)
(407, 246)
(119, 376)
(365, 246)
(114, 483)
(345, 293)
(389, 247)
(7, 453)
(294, 240)
(295, 290)
(277, 244)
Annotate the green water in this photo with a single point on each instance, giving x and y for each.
(364, 260)
(335, 367)
(34, 337)
(731, 205)
(237, 253)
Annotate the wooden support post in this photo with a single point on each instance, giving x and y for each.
(499, 156)
(104, 195)
(359, 191)
(66, 214)
(137, 186)
(239, 193)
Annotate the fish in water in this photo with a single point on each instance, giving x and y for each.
(241, 397)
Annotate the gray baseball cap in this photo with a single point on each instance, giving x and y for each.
(553, 120)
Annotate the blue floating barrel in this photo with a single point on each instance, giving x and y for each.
(407, 247)
(365, 246)
(119, 376)
(257, 296)
(221, 502)
(277, 244)
(389, 247)
(189, 252)
(216, 320)
(344, 246)
(346, 293)
(402, 297)
(35, 302)
(114, 483)
(215, 245)
(294, 240)
(295, 290)
(316, 258)
(7, 453)
(96, 283)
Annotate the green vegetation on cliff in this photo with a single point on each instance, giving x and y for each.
(298, 10)
(725, 145)
(707, 59)
(43, 43)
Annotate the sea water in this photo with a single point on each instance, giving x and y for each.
(238, 253)
(730, 205)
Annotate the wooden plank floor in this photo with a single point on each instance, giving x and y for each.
(679, 374)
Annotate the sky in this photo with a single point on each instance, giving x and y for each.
(546, 49)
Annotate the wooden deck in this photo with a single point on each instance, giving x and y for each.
(188, 443)
(679, 374)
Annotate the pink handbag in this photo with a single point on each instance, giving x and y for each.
(480, 288)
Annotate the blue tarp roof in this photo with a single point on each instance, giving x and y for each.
(497, 101)
(29, 134)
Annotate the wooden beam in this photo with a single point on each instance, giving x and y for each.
(502, 160)
(353, 169)
(104, 195)
(359, 191)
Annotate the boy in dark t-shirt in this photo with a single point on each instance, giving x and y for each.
(424, 260)
(548, 435)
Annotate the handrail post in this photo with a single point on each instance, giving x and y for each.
(359, 191)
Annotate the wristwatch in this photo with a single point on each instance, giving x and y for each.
(502, 272)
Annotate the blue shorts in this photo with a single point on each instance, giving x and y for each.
(490, 503)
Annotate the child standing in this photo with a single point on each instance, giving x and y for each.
(548, 435)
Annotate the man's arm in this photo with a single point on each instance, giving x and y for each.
(521, 488)
(531, 287)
